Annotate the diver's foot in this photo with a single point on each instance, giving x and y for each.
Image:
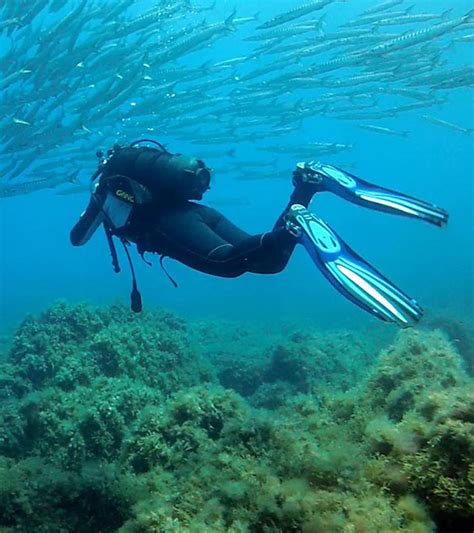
(307, 175)
(291, 223)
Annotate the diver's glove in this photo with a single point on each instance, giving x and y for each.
(333, 179)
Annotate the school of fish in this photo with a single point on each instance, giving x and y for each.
(82, 75)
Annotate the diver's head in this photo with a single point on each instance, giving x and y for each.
(201, 178)
(192, 174)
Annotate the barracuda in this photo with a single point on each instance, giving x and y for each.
(36, 185)
(384, 131)
(10, 80)
(245, 20)
(50, 36)
(154, 15)
(460, 81)
(10, 23)
(356, 80)
(97, 71)
(432, 79)
(421, 36)
(230, 62)
(382, 7)
(36, 9)
(334, 64)
(446, 124)
(297, 48)
(366, 115)
(410, 19)
(287, 31)
(192, 43)
(119, 9)
(378, 17)
(295, 13)
(465, 38)
(416, 95)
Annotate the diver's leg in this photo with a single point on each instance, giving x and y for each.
(269, 252)
(302, 194)
(187, 234)
(266, 253)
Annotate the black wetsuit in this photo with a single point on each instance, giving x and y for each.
(204, 239)
(192, 233)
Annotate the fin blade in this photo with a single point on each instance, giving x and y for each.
(352, 276)
(361, 192)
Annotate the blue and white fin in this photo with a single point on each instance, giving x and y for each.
(351, 275)
(361, 192)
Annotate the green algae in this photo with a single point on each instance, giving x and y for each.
(115, 422)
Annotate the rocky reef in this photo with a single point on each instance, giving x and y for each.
(111, 421)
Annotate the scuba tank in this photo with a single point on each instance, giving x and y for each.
(167, 176)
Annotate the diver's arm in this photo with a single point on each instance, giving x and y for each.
(88, 222)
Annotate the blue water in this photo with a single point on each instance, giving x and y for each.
(38, 265)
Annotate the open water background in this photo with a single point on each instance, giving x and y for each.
(38, 265)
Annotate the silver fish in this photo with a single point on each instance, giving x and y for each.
(371, 19)
(356, 80)
(295, 13)
(28, 187)
(20, 121)
(10, 22)
(9, 80)
(448, 125)
(385, 131)
(438, 78)
(465, 38)
(421, 36)
(409, 93)
(410, 19)
(286, 31)
(382, 7)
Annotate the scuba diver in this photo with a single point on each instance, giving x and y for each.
(143, 194)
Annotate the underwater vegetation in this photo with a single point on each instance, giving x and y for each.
(111, 421)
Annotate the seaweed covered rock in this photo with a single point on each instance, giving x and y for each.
(69, 346)
(309, 363)
(75, 380)
(442, 470)
(261, 472)
(189, 422)
(126, 428)
(35, 496)
(304, 363)
(43, 345)
(417, 363)
(461, 334)
(418, 405)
